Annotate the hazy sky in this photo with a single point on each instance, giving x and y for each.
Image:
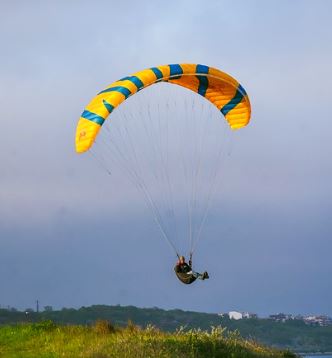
(71, 236)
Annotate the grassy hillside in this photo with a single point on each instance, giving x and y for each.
(102, 340)
(294, 335)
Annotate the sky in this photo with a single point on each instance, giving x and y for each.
(71, 236)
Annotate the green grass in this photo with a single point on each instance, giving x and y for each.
(47, 340)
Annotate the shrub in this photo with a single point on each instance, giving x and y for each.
(103, 327)
(44, 326)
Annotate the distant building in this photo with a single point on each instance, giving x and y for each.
(320, 320)
(235, 315)
(314, 320)
(299, 317)
(249, 315)
(281, 317)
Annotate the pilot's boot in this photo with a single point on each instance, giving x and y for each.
(205, 275)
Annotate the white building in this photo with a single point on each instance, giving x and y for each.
(238, 315)
(235, 315)
(320, 320)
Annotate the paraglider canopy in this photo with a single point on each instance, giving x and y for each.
(222, 90)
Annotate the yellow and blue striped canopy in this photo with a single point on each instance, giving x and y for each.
(218, 87)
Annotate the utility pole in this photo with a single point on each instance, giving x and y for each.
(37, 306)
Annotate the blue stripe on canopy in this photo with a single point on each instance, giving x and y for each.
(242, 90)
(108, 106)
(157, 72)
(233, 102)
(93, 117)
(203, 85)
(175, 71)
(135, 80)
(123, 90)
(202, 69)
(203, 80)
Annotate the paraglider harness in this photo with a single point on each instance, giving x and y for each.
(183, 271)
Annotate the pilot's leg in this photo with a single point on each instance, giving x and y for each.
(201, 276)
